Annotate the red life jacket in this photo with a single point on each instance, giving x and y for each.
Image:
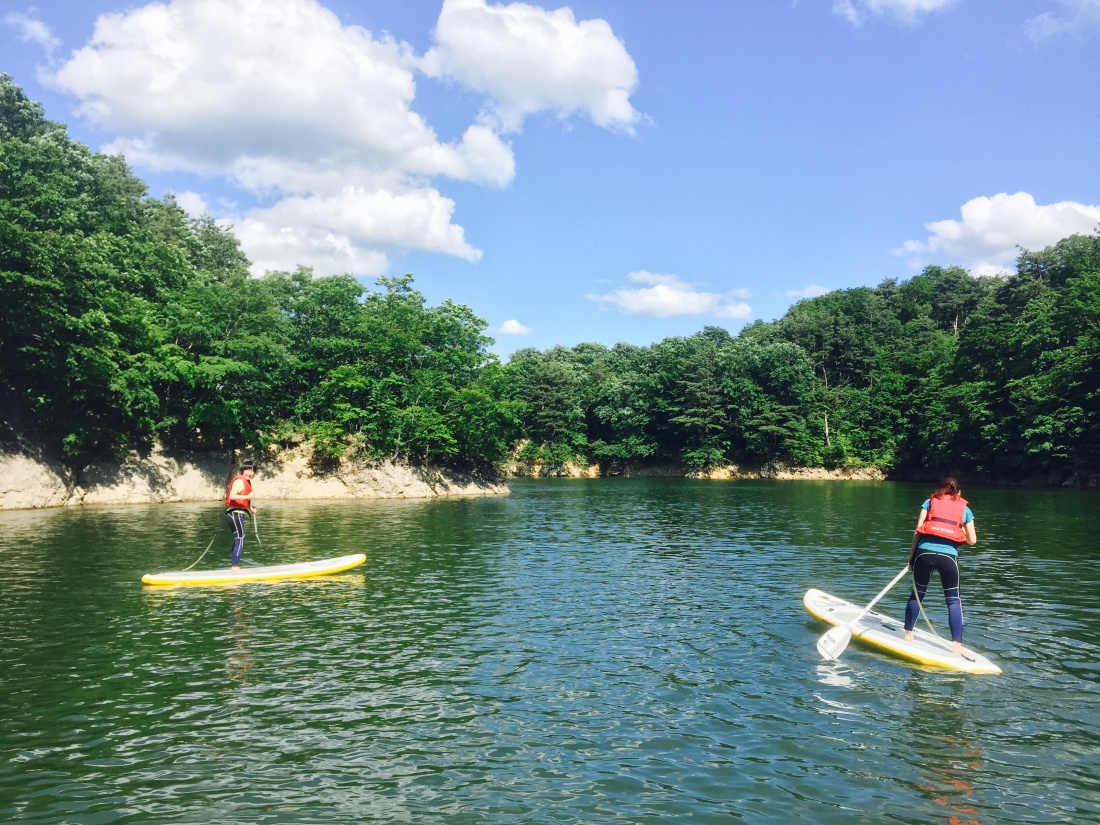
(238, 503)
(945, 519)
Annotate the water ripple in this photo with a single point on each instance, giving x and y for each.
(577, 652)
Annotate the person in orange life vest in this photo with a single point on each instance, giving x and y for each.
(238, 502)
(945, 522)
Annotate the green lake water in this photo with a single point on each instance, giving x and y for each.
(607, 651)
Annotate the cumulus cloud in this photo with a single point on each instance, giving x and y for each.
(513, 327)
(192, 203)
(907, 12)
(1079, 17)
(211, 81)
(33, 30)
(313, 120)
(271, 245)
(525, 59)
(330, 228)
(665, 296)
(987, 237)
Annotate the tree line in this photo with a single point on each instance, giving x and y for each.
(944, 370)
(125, 323)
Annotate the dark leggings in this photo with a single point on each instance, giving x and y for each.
(948, 568)
(238, 527)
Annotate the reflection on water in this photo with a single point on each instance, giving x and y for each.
(239, 660)
(834, 675)
(943, 738)
(580, 651)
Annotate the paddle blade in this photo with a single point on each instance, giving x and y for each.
(832, 644)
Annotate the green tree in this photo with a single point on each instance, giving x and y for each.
(382, 374)
(547, 389)
(81, 270)
(621, 410)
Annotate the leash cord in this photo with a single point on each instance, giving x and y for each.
(920, 605)
(255, 528)
(204, 552)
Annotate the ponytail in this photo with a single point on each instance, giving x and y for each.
(948, 487)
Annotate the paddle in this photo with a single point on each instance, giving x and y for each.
(832, 644)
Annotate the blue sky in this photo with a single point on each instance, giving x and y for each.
(604, 171)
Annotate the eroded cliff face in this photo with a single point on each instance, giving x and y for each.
(31, 479)
(570, 470)
(27, 481)
(1076, 479)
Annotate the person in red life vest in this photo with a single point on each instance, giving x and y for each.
(945, 522)
(238, 503)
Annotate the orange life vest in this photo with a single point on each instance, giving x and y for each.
(238, 503)
(945, 519)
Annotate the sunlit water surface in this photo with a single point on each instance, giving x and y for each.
(576, 652)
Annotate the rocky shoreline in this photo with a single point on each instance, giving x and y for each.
(569, 470)
(30, 480)
(1069, 479)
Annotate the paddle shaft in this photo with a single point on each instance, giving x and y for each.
(881, 593)
(832, 644)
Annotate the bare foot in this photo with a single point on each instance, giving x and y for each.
(959, 650)
(234, 569)
(908, 635)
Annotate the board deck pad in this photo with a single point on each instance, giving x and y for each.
(301, 570)
(887, 634)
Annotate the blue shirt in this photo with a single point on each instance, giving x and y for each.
(934, 544)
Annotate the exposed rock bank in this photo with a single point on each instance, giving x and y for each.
(1080, 479)
(29, 479)
(791, 473)
(570, 470)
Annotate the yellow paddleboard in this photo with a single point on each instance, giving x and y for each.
(303, 570)
(886, 633)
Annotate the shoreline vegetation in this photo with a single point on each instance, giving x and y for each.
(135, 344)
(30, 480)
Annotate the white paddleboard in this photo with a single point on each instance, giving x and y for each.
(887, 634)
(302, 570)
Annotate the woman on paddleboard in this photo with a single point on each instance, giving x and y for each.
(945, 522)
(238, 503)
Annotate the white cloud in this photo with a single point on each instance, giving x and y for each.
(274, 246)
(355, 226)
(314, 119)
(313, 116)
(907, 12)
(667, 296)
(33, 30)
(985, 240)
(811, 291)
(192, 203)
(513, 327)
(1079, 18)
(216, 79)
(420, 216)
(526, 59)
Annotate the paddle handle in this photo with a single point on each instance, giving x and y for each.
(881, 593)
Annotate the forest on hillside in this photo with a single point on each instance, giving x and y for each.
(124, 323)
